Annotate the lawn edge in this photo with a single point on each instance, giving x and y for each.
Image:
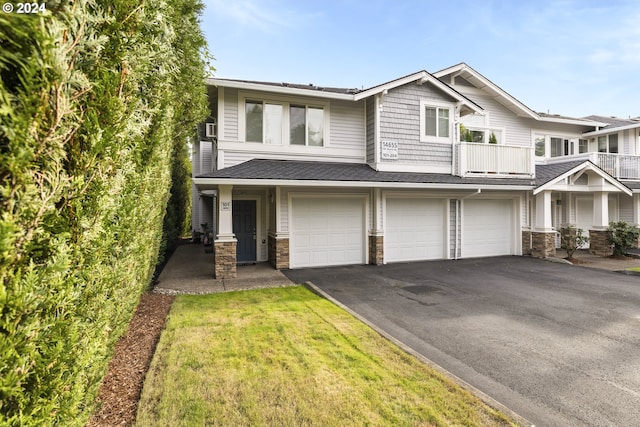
(485, 398)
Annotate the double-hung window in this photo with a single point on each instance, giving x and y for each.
(306, 125)
(608, 143)
(435, 122)
(281, 122)
(263, 122)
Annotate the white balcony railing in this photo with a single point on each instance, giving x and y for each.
(620, 166)
(493, 160)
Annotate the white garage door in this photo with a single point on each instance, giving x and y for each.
(487, 227)
(327, 231)
(415, 229)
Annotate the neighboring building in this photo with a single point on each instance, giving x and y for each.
(428, 166)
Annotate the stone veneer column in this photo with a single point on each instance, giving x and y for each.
(279, 252)
(598, 243)
(376, 250)
(543, 244)
(526, 242)
(224, 259)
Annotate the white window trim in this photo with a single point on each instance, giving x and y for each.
(574, 140)
(431, 103)
(286, 102)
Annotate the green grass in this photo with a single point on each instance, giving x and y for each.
(287, 357)
(633, 268)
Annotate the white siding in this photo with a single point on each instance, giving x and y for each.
(347, 125)
(206, 157)
(231, 114)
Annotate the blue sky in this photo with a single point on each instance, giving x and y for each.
(566, 57)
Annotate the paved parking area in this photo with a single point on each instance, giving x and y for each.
(556, 343)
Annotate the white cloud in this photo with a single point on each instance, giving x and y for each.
(266, 16)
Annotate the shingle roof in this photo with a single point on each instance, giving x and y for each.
(310, 86)
(614, 122)
(546, 173)
(260, 169)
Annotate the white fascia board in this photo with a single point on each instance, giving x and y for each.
(390, 85)
(606, 131)
(424, 77)
(586, 166)
(488, 84)
(570, 121)
(279, 89)
(356, 184)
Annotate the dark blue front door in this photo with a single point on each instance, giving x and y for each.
(244, 227)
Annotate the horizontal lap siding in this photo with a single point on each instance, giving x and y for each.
(347, 125)
(400, 122)
(231, 114)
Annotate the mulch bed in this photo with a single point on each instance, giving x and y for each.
(121, 387)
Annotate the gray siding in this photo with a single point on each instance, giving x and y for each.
(371, 133)
(400, 122)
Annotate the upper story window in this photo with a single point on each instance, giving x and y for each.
(556, 146)
(435, 122)
(280, 122)
(263, 122)
(608, 143)
(306, 125)
(480, 135)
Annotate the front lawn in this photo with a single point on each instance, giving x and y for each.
(288, 357)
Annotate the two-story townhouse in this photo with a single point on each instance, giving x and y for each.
(427, 166)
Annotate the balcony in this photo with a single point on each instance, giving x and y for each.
(493, 160)
(620, 166)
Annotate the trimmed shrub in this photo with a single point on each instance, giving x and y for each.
(622, 236)
(572, 239)
(96, 99)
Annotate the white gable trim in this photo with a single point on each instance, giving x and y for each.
(420, 77)
(581, 169)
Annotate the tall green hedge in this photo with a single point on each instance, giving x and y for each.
(97, 101)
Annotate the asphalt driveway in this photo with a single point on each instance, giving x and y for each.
(556, 343)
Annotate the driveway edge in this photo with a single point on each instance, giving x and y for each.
(473, 390)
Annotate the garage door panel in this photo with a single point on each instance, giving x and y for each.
(487, 228)
(414, 229)
(327, 231)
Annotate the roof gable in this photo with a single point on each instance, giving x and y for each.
(421, 77)
(548, 176)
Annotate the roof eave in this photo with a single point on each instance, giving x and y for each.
(278, 89)
(356, 184)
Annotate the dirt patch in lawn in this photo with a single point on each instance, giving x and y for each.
(121, 387)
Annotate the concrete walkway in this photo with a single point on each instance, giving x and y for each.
(190, 271)
(585, 259)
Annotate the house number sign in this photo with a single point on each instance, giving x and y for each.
(225, 206)
(389, 150)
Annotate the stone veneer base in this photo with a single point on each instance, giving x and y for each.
(598, 243)
(543, 244)
(279, 252)
(224, 259)
(376, 250)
